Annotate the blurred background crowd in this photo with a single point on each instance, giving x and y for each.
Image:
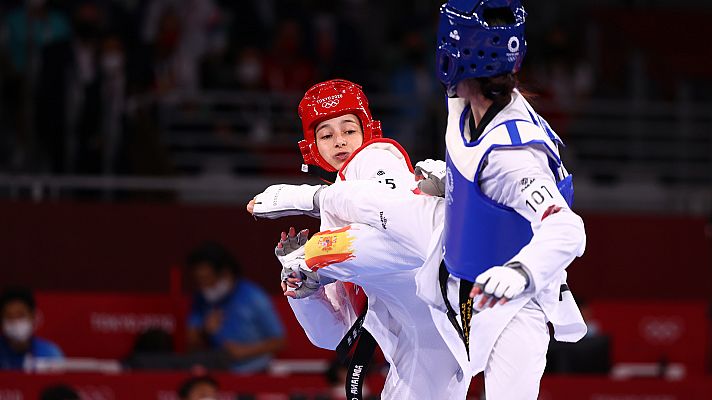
(132, 133)
(187, 87)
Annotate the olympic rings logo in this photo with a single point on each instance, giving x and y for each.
(662, 330)
(330, 104)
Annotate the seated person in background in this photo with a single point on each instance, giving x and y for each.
(198, 388)
(59, 392)
(18, 341)
(230, 314)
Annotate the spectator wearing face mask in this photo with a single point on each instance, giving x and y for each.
(18, 342)
(229, 313)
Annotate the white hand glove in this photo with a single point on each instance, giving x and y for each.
(296, 276)
(503, 282)
(284, 200)
(430, 175)
(429, 167)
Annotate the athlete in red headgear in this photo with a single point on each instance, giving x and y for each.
(373, 177)
(336, 121)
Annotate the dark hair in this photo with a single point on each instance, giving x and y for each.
(154, 341)
(59, 392)
(190, 383)
(17, 294)
(215, 255)
(496, 88)
(499, 88)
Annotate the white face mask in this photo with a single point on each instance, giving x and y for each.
(217, 292)
(18, 330)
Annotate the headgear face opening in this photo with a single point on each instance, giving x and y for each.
(479, 38)
(332, 99)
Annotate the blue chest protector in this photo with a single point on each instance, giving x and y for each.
(480, 233)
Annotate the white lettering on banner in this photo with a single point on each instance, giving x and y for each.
(661, 330)
(131, 323)
(10, 394)
(354, 378)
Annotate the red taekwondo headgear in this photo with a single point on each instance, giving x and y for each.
(327, 100)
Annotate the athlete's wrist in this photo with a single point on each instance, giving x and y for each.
(519, 267)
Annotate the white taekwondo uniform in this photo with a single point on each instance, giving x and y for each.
(381, 254)
(513, 167)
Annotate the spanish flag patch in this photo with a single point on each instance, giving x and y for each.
(329, 247)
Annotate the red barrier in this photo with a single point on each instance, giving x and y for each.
(154, 386)
(671, 332)
(131, 247)
(102, 325)
(580, 388)
(162, 386)
(105, 325)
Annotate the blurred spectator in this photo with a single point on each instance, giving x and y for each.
(59, 392)
(28, 31)
(287, 69)
(28, 28)
(198, 388)
(248, 69)
(18, 342)
(91, 88)
(183, 31)
(229, 313)
(412, 80)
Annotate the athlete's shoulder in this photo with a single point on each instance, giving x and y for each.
(377, 153)
(45, 348)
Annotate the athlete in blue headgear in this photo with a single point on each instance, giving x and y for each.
(509, 230)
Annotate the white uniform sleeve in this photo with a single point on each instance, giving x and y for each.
(358, 254)
(402, 216)
(520, 178)
(325, 316)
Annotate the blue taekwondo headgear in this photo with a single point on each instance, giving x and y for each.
(479, 38)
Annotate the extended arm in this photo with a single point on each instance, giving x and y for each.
(520, 178)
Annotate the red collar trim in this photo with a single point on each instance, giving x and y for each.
(370, 142)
